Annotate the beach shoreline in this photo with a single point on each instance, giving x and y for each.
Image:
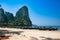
(30, 34)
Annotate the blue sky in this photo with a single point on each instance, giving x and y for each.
(41, 12)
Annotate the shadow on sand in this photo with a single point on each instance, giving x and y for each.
(33, 38)
(47, 38)
(2, 32)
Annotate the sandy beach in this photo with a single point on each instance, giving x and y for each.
(30, 34)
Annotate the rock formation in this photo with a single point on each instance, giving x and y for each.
(22, 17)
(10, 18)
(2, 17)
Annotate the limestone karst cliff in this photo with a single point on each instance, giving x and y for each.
(20, 19)
(3, 18)
(22, 16)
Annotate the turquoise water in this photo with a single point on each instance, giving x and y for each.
(55, 27)
(49, 26)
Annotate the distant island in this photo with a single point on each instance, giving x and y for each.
(20, 19)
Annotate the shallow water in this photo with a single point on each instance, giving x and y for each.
(49, 26)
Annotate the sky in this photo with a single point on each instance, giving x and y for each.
(41, 12)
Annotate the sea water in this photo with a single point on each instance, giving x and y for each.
(47, 27)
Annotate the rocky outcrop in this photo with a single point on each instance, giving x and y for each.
(22, 17)
(3, 19)
(10, 18)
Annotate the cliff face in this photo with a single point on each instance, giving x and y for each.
(10, 18)
(22, 16)
(2, 17)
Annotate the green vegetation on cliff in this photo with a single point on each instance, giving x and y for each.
(21, 18)
(3, 19)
